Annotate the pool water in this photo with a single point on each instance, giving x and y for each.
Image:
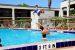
(21, 36)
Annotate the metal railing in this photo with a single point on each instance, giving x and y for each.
(51, 23)
(59, 23)
(18, 24)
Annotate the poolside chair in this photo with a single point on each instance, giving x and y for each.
(13, 26)
(2, 26)
(59, 25)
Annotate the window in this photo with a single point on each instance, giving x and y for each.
(22, 13)
(5, 12)
(56, 13)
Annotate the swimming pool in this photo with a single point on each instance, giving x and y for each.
(12, 37)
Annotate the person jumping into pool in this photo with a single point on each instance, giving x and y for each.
(44, 30)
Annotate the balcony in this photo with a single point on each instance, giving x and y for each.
(65, 3)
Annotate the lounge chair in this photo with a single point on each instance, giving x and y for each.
(13, 26)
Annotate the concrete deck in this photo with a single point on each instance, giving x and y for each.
(65, 48)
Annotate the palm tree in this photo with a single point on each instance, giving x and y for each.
(23, 4)
(49, 3)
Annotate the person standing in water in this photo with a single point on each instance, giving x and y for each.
(44, 30)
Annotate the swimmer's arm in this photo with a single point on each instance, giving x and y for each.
(39, 24)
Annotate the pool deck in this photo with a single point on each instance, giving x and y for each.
(65, 48)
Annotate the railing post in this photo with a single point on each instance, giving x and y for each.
(13, 16)
(68, 13)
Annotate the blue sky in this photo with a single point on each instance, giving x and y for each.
(43, 3)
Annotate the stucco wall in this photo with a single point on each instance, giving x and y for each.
(47, 14)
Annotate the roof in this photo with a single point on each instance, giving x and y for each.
(23, 7)
(17, 5)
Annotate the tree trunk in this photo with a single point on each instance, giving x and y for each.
(49, 3)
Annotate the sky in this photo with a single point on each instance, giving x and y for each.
(43, 3)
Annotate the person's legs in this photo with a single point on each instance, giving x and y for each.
(44, 37)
